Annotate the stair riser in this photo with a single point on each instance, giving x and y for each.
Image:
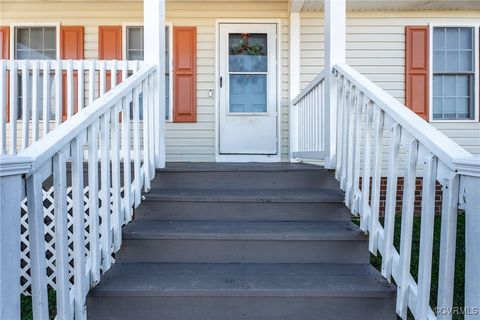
(235, 211)
(250, 180)
(241, 308)
(244, 251)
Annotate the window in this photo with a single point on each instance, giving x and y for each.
(35, 43)
(453, 73)
(135, 51)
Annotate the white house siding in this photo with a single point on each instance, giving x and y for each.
(376, 47)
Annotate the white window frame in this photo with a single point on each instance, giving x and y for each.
(476, 93)
(170, 59)
(14, 25)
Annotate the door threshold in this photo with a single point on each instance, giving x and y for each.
(247, 158)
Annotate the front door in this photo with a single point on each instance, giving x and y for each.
(248, 89)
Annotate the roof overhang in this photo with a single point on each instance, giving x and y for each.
(379, 5)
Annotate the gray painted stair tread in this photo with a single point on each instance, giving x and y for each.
(238, 167)
(243, 230)
(246, 195)
(187, 279)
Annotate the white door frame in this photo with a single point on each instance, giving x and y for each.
(248, 158)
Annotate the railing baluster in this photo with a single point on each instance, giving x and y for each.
(113, 74)
(91, 81)
(146, 136)
(70, 92)
(93, 203)
(46, 97)
(346, 106)
(78, 230)
(3, 106)
(105, 229)
(103, 78)
(34, 99)
(365, 203)
(350, 148)
(13, 106)
(340, 107)
(391, 201)
(426, 236)
(407, 228)
(136, 147)
(127, 168)
(80, 85)
(25, 105)
(117, 217)
(376, 180)
(61, 236)
(58, 93)
(448, 236)
(37, 247)
(151, 127)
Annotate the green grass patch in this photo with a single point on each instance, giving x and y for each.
(458, 297)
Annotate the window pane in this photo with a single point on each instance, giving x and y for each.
(439, 61)
(36, 38)
(248, 93)
(466, 38)
(135, 38)
(23, 35)
(50, 38)
(248, 52)
(466, 61)
(452, 38)
(439, 38)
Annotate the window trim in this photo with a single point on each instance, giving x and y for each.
(476, 78)
(13, 40)
(125, 25)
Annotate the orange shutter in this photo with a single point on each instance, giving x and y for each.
(71, 48)
(5, 54)
(184, 74)
(416, 70)
(110, 47)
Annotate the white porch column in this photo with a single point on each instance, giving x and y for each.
(12, 169)
(335, 45)
(154, 35)
(294, 80)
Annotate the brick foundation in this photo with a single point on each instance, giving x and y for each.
(418, 195)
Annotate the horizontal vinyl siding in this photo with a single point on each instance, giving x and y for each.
(376, 48)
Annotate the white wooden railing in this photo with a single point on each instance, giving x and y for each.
(96, 207)
(367, 120)
(68, 85)
(307, 136)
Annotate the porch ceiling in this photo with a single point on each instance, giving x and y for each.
(363, 5)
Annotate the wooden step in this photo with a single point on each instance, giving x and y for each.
(242, 241)
(242, 291)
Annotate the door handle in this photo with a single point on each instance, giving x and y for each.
(221, 82)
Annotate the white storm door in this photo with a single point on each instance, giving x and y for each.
(248, 89)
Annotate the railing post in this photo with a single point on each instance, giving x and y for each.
(154, 22)
(335, 43)
(12, 169)
(294, 80)
(469, 185)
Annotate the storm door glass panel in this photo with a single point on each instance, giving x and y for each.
(453, 73)
(248, 69)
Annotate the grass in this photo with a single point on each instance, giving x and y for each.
(26, 303)
(459, 281)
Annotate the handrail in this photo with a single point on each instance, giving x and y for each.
(440, 144)
(44, 149)
(318, 78)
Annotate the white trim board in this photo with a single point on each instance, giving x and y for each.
(240, 157)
